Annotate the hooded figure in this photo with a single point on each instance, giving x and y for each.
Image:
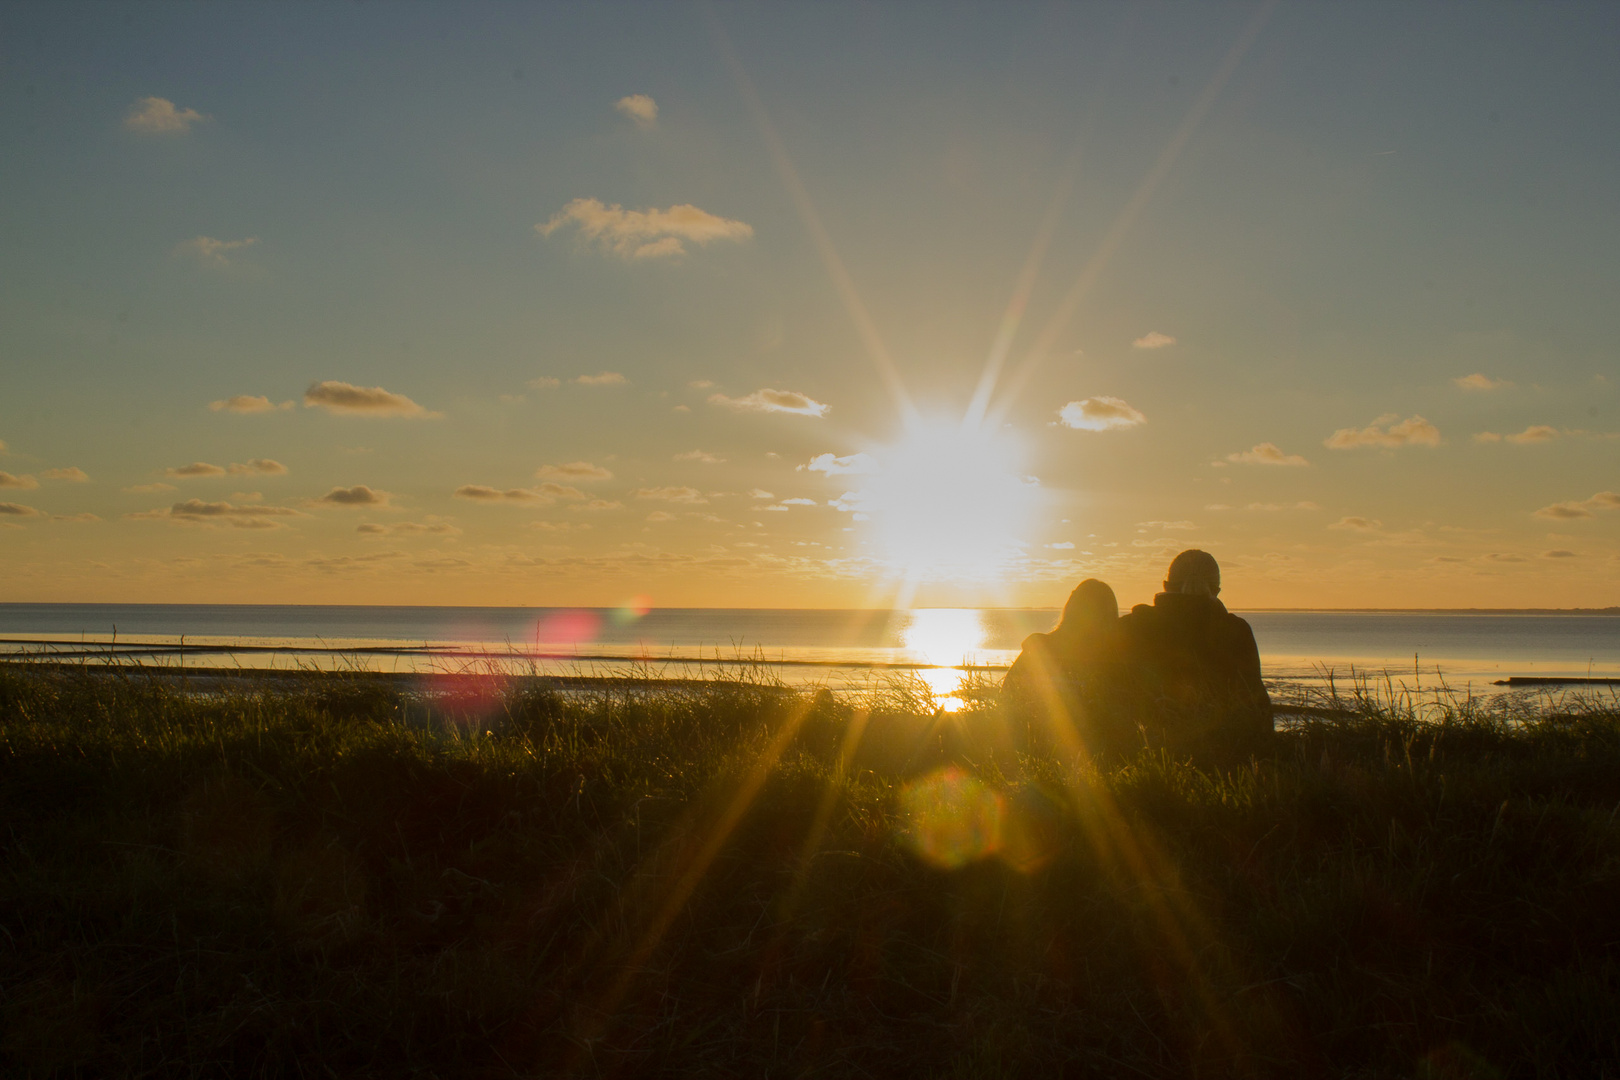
(1194, 664)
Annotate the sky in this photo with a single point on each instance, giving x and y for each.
(831, 305)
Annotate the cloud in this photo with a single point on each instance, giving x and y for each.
(158, 116)
(1535, 433)
(641, 108)
(72, 474)
(1358, 524)
(1476, 381)
(832, 465)
(1273, 507)
(1265, 454)
(77, 518)
(1100, 414)
(1386, 432)
(195, 469)
(660, 515)
(671, 494)
(1062, 545)
(248, 403)
(700, 455)
(1153, 340)
(1560, 553)
(484, 493)
(11, 509)
(359, 495)
(644, 234)
(577, 471)
(149, 489)
(606, 378)
(347, 399)
(768, 400)
(701, 384)
(799, 502)
(1497, 556)
(1166, 525)
(1570, 511)
(21, 483)
(196, 511)
(409, 528)
(211, 252)
(544, 382)
(258, 466)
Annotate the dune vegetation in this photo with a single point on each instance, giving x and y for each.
(330, 875)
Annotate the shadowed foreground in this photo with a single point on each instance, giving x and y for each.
(324, 878)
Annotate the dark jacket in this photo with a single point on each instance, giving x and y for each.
(1198, 658)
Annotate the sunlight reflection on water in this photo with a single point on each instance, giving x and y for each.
(943, 636)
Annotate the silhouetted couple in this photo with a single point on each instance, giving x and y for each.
(1182, 672)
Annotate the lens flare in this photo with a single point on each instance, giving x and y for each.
(631, 610)
(944, 636)
(954, 818)
(567, 628)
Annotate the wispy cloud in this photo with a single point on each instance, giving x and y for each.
(1570, 511)
(773, 401)
(150, 489)
(11, 509)
(606, 378)
(1387, 431)
(577, 471)
(211, 252)
(20, 483)
(1100, 414)
(248, 403)
(158, 116)
(85, 518)
(1265, 454)
(197, 511)
(1535, 433)
(849, 464)
(1358, 524)
(358, 496)
(194, 470)
(432, 526)
(644, 234)
(347, 399)
(1153, 340)
(72, 474)
(258, 466)
(641, 108)
(544, 494)
(1476, 381)
(702, 456)
(1560, 553)
(671, 494)
(660, 515)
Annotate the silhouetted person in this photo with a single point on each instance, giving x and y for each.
(1051, 683)
(1195, 663)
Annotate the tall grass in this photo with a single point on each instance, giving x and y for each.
(328, 877)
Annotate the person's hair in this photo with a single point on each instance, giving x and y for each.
(1092, 604)
(1194, 571)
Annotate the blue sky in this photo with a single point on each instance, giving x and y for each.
(1373, 202)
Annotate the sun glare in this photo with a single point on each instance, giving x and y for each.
(948, 501)
(945, 636)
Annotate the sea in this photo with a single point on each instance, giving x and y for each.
(1467, 651)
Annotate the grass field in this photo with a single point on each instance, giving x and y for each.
(326, 877)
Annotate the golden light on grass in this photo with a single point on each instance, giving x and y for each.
(944, 636)
(953, 818)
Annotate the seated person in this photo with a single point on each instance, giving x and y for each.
(1055, 669)
(1195, 663)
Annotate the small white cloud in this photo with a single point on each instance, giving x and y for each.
(544, 382)
(700, 455)
(359, 495)
(1476, 381)
(1358, 524)
(660, 515)
(73, 474)
(1153, 340)
(1100, 414)
(347, 399)
(194, 470)
(158, 116)
(1386, 432)
(775, 401)
(258, 466)
(577, 471)
(21, 483)
(1570, 511)
(641, 108)
(1265, 454)
(606, 378)
(833, 465)
(644, 234)
(248, 403)
(690, 495)
(799, 502)
(761, 494)
(1062, 545)
(1535, 433)
(211, 252)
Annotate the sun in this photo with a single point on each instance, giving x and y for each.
(948, 501)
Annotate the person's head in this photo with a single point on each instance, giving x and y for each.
(1194, 572)
(1092, 606)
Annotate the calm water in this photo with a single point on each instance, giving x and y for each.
(1292, 644)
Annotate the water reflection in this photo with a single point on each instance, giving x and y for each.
(947, 637)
